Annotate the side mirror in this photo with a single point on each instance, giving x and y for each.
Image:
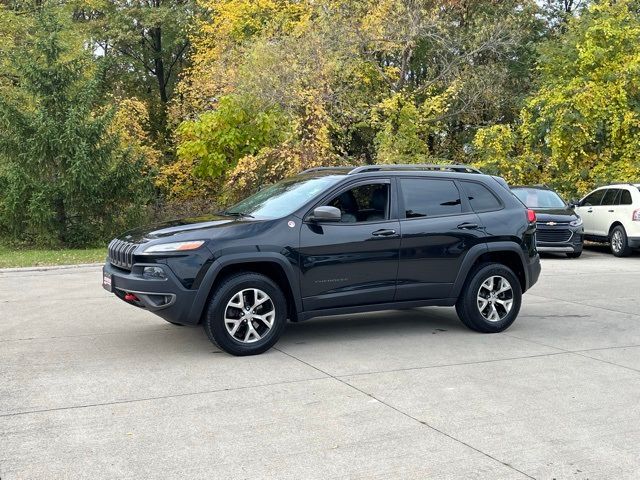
(326, 214)
(574, 203)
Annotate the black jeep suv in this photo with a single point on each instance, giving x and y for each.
(333, 241)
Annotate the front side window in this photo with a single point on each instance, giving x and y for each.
(593, 199)
(423, 197)
(364, 203)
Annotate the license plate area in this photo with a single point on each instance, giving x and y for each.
(107, 282)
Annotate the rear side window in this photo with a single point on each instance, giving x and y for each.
(625, 198)
(480, 197)
(593, 198)
(610, 196)
(423, 197)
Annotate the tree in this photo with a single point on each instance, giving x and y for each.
(582, 127)
(66, 177)
(147, 43)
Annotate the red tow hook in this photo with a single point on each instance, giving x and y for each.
(130, 297)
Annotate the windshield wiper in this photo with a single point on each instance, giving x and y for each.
(237, 214)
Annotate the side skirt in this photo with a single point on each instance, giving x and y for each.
(441, 302)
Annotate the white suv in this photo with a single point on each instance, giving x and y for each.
(612, 214)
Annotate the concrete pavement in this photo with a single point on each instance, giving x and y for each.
(93, 388)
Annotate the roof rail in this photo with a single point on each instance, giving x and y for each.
(323, 169)
(417, 166)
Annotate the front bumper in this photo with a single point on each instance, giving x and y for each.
(573, 244)
(166, 297)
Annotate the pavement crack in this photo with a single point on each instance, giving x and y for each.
(407, 415)
(159, 397)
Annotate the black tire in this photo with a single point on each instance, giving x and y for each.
(214, 323)
(574, 254)
(622, 248)
(467, 304)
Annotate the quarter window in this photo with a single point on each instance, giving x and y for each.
(480, 197)
(429, 198)
(625, 198)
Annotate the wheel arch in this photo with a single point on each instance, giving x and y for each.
(274, 266)
(509, 254)
(615, 224)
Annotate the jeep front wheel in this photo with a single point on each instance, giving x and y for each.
(246, 314)
(491, 299)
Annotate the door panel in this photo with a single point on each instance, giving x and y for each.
(346, 264)
(588, 211)
(431, 253)
(437, 232)
(605, 213)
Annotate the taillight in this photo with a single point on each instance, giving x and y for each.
(531, 216)
(636, 215)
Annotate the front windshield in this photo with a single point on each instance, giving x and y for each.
(283, 198)
(539, 198)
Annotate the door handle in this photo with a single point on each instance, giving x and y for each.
(468, 226)
(385, 232)
(590, 210)
(611, 211)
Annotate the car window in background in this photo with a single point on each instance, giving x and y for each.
(539, 198)
(284, 197)
(625, 198)
(610, 197)
(429, 198)
(593, 199)
(480, 197)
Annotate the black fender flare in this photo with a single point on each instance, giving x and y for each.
(207, 282)
(476, 251)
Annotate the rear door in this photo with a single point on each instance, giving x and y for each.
(606, 214)
(438, 229)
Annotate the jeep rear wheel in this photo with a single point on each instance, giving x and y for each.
(246, 314)
(491, 298)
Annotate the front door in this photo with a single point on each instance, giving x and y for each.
(590, 210)
(354, 261)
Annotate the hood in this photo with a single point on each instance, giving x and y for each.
(566, 214)
(192, 228)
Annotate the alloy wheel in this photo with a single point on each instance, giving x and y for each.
(495, 298)
(249, 315)
(616, 241)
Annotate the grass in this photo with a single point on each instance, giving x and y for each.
(36, 257)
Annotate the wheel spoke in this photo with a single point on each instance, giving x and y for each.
(236, 324)
(259, 298)
(482, 303)
(504, 286)
(237, 300)
(506, 304)
(267, 318)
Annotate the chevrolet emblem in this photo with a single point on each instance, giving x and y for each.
(551, 224)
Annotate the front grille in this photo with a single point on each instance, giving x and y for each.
(553, 235)
(121, 254)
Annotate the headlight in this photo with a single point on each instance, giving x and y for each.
(576, 223)
(174, 247)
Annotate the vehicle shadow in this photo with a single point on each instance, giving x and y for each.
(412, 322)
